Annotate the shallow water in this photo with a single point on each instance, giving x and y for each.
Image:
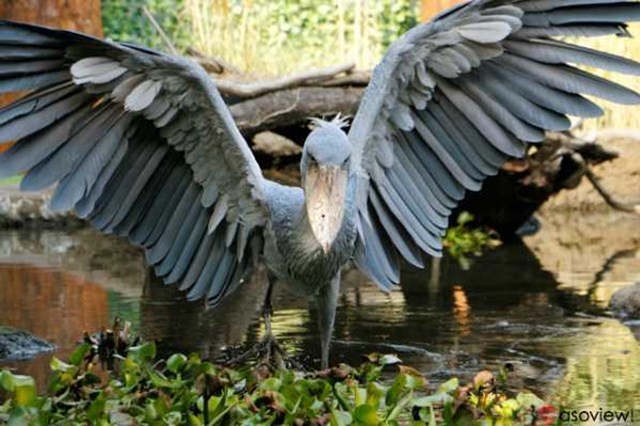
(539, 305)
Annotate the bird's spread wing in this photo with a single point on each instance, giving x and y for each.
(454, 98)
(139, 143)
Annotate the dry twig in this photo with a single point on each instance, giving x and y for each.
(160, 31)
(252, 90)
(607, 196)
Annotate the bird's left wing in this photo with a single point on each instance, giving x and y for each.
(139, 143)
(453, 99)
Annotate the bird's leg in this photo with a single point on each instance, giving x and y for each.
(267, 350)
(326, 303)
(272, 348)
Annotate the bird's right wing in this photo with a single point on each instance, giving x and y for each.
(454, 98)
(139, 143)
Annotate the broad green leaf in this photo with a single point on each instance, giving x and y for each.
(161, 381)
(340, 418)
(145, 351)
(366, 415)
(272, 383)
(96, 409)
(79, 354)
(175, 362)
(449, 386)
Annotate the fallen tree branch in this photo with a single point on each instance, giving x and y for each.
(252, 90)
(293, 106)
(212, 64)
(357, 78)
(607, 196)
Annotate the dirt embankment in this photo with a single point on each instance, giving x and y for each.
(29, 209)
(581, 233)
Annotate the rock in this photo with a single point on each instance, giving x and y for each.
(17, 344)
(275, 145)
(625, 302)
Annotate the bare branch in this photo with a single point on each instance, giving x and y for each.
(252, 90)
(358, 78)
(160, 31)
(213, 64)
(607, 196)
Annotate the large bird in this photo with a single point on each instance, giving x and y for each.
(142, 145)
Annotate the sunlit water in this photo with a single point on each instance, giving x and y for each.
(539, 305)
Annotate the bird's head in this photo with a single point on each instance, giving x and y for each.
(326, 160)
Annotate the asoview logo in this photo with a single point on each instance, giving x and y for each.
(598, 416)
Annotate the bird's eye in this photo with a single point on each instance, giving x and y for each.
(345, 162)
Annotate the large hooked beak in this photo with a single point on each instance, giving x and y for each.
(325, 191)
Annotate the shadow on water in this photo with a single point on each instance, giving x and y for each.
(507, 308)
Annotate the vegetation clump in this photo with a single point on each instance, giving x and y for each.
(465, 240)
(142, 389)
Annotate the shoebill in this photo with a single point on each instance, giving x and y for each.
(141, 144)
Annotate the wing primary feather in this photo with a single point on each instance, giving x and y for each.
(400, 175)
(189, 250)
(118, 185)
(67, 156)
(492, 131)
(545, 96)
(136, 185)
(178, 243)
(216, 258)
(450, 150)
(144, 201)
(483, 147)
(500, 114)
(159, 250)
(397, 234)
(197, 264)
(572, 80)
(441, 201)
(175, 180)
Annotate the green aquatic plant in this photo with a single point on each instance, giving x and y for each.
(187, 390)
(465, 240)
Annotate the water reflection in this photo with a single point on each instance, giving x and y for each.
(178, 325)
(514, 305)
(52, 305)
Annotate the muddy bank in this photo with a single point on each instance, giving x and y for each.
(31, 210)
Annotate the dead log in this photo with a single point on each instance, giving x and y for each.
(294, 106)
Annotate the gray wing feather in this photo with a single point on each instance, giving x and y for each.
(139, 143)
(453, 99)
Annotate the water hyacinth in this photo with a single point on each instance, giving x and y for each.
(142, 389)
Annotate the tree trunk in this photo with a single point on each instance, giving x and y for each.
(431, 8)
(77, 15)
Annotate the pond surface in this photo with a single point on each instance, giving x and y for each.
(538, 304)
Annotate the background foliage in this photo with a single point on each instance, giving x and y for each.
(124, 20)
(271, 37)
(267, 36)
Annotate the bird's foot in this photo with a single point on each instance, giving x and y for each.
(267, 352)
